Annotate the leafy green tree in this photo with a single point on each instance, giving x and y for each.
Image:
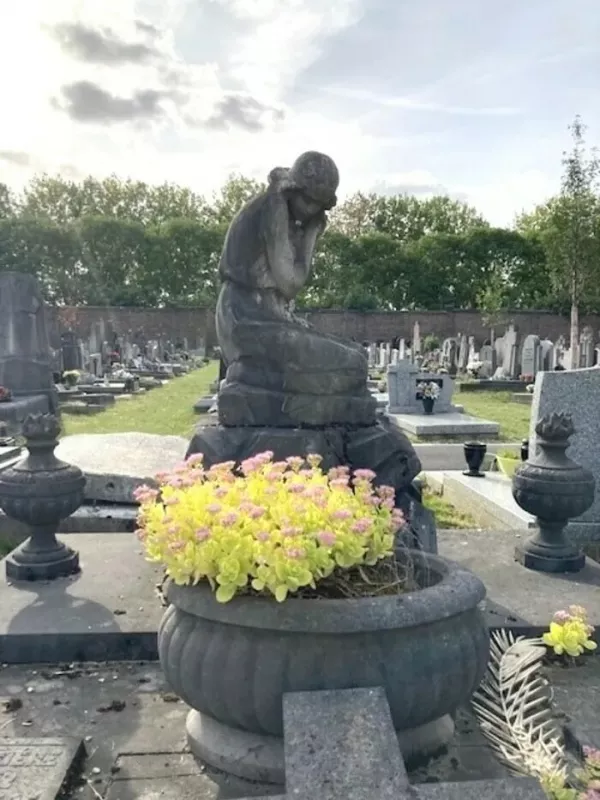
(7, 202)
(234, 194)
(181, 263)
(569, 228)
(404, 217)
(63, 200)
(48, 251)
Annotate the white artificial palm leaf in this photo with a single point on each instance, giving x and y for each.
(513, 705)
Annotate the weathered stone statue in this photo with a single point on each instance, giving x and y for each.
(288, 387)
(281, 370)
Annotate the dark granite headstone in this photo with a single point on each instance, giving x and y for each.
(26, 361)
(36, 769)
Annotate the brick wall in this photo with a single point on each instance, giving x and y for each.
(195, 324)
(386, 326)
(198, 324)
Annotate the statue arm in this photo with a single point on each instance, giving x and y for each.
(280, 251)
(312, 232)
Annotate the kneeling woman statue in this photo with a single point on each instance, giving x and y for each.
(281, 371)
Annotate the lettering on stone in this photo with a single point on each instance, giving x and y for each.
(34, 769)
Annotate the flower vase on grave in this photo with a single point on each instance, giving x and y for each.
(474, 455)
(428, 391)
(554, 489)
(40, 491)
(428, 404)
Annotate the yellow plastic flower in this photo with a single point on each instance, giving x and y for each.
(273, 526)
(570, 633)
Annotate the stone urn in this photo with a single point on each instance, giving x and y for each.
(474, 455)
(233, 662)
(554, 489)
(40, 491)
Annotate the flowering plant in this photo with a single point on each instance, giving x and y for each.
(269, 526)
(428, 389)
(570, 634)
(71, 377)
(5, 394)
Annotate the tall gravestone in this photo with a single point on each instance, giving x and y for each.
(25, 354)
(531, 356)
(576, 392)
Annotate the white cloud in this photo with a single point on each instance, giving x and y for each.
(403, 97)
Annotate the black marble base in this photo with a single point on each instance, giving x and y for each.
(24, 565)
(565, 562)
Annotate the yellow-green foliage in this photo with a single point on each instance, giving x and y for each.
(570, 634)
(273, 526)
(588, 778)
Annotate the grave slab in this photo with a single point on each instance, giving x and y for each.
(452, 423)
(532, 598)
(75, 619)
(115, 464)
(109, 612)
(488, 500)
(130, 749)
(36, 769)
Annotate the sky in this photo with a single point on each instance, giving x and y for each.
(470, 98)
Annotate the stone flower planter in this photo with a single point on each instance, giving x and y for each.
(232, 663)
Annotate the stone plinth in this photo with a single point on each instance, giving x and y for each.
(450, 424)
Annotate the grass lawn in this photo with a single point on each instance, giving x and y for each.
(446, 515)
(169, 410)
(497, 406)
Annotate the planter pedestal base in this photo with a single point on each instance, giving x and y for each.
(564, 560)
(256, 761)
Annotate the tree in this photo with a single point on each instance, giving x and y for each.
(235, 193)
(404, 217)
(569, 228)
(7, 202)
(64, 201)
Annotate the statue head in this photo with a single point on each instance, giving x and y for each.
(311, 184)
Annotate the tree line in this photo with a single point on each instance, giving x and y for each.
(128, 243)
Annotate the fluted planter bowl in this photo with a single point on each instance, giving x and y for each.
(428, 649)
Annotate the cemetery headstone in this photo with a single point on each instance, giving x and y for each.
(25, 354)
(531, 356)
(547, 354)
(463, 353)
(576, 392)
(404, 396)
(586, 348)
(416, 341)
(510, 360)
(71, 351)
